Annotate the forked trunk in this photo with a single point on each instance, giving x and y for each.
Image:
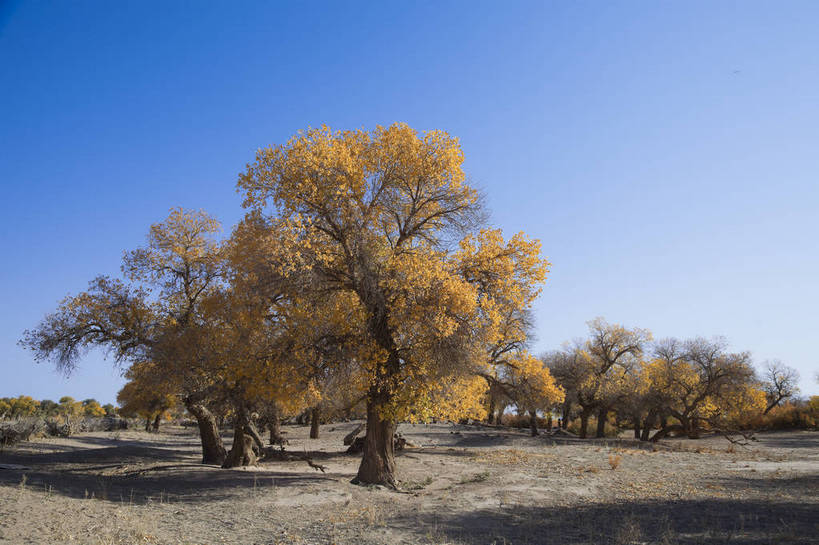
(315, 421)
(648, 425)
(241, 452)
(533, 423)
(213, 451)
(378, 464)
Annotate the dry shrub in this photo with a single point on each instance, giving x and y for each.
(614, 461)
(16, 431)
(524, 421)
(610, 430)
(509, 457)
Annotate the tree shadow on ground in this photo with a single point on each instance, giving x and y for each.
(705, 522)
(141, 474)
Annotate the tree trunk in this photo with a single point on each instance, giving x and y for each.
(533, 423)
(637, 427)
(602, 413)
(664, 431)
(147, 423)
(378, 464)
(490, 415)
(648, 424)
(274, 425)
(693, 428)
(213, 451)
(241, 452)
(251, 430)
(156, 422)
(549, 421)
(584, 422)
(567, 410)
(315, 421)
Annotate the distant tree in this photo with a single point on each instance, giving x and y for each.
(144, 396)
(70, 408)
(779, 382)
(532, 387)
(699, 381)
(49, 408)
(91, 407)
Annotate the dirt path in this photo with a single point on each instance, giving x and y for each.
(462, 484)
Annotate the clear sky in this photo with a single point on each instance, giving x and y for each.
(664, 152)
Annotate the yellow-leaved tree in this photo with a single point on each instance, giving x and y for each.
(373, 215)
(532, 387)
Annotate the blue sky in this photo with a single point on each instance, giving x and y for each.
(664, 152)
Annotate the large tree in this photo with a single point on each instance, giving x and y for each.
(375, 215)
(155, 314)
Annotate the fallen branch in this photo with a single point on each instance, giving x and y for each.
(281, 455)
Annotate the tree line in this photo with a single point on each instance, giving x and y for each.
(365, 280)
(664, 386)
(364, 276)
(26, 406)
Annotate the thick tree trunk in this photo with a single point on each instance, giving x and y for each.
(213, 451)
(490, 415)
(148, 423)
(567, 410)
(156, 422)
(378, 464)
(549, 421)
(241, 452)
(533, 423)
(251, 430)
(274, 425)
(648, 424)
(315, 422)
(602, 413)
(637, 429)
(584, 422)
(693, 428)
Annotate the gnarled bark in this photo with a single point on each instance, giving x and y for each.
(241, 452)
(378, 463)
(274, 425)
(213, 451)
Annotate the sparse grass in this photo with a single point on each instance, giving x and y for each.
(476, 478)
(512, 457)
(416, 485)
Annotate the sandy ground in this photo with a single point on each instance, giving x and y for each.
(461, 485)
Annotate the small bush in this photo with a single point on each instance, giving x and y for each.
(16, 431)
(610, 429)
(614, 461)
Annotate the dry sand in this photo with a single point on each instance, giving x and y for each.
(461, 485)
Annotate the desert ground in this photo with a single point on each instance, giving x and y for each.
(460, 485)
